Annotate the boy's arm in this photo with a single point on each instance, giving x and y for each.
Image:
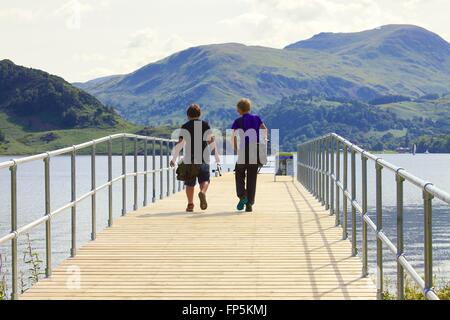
(265, 131)
(234, 141)
(176, 151)
(212, 142)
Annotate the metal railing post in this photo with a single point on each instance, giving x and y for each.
(365, 269)
(327, 174)
(93, 197)
(145, 173)
(110, 187)
(321, 178)
(331, 179)
(400, 245)
(316, 170)
(124, 180)
(48, 223)
(379, 208)
(353, 168)
(338, 177)
(428, 238)
(313, 171)
(324, 174)
(161, 171)
(14, 253)
(73, 250)
(168, 168)
(299, 173)
(135, 180)
(319, 167)
(344, 198)
(154, 170)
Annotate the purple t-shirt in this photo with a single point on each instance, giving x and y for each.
(248, 122)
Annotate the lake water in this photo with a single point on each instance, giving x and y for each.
(431, 167)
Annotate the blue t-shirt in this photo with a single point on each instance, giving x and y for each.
(248, 122)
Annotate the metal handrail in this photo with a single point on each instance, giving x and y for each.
(325, 181)
(13, 164)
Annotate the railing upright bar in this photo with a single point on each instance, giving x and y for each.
(428, 238)
(154, 170)
(400, 245)
(316, 170)
(73, 250)
(379, 208)
(161, 172)
(319, 155)
(93, 197)
(310, 164)
(14, 249)
(317, 167)
(124, 180)
(365, 268)
(135, 180)
(324, 173)
(344, 197)
(48, 223)
(338, 177)
(327, 175)
(332, 175)
(353, 194)
(168, 167)
(110, 187)
(146, 173)
(322, 170)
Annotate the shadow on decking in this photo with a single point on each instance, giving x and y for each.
(327, 245)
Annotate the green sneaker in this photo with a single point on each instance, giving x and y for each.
(240, 206)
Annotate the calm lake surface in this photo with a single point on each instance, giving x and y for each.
(431, 167)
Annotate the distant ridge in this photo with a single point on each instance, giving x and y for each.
(393, 60)
(399, 41)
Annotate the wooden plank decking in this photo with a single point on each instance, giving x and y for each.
(288, 248)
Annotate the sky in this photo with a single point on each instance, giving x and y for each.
(80, 40)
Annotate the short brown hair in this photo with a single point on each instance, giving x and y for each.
(194, 111)
(244, 105)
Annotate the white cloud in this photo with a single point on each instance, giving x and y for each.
(143, 46)
(121, 36)
(280, 22)
(149, 44)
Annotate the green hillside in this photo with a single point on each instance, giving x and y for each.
(41, 112)
(376, 128)
(433, 107)
(392, 60)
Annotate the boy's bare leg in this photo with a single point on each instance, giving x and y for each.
(204, 186)
(202, 195)
(190, 194)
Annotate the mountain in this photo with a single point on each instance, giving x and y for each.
(41, 112)
(43, 101)
(405, 42)
(394, 60)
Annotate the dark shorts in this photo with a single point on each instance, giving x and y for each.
(203, 176)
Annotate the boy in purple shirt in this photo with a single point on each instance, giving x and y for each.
(247, 127)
